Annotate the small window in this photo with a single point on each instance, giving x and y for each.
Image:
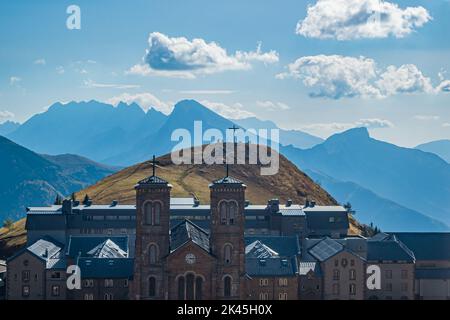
(88, 296)
(352, 274)
(227, 286)
(227, 252)
(331, 220)
(352, 289)
(55, 291)
(336, 274)
(26, 276)
(282, 296)
(26, 291)
(109, 296)
(282, 282)
(152, 287)
(126, 283)
(109, 283)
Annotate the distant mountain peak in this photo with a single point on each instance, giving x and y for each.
(359, 134)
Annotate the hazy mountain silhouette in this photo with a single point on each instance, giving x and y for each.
(8, 127)
(28, 178)
(296, 138)
(439, 147)
(371, 208)
(412, 178)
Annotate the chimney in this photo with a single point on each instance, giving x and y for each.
(274, 205)
(114, 203)
(196, 202)
(247, 203)
(76, 203)
(88, 203)
(289, 203)
(312, 204)
(66, 206)
(306, 203)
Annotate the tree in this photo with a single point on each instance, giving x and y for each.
(348, 207)
(86, 199)
(73, 196)
(58, 200)
(8, 224)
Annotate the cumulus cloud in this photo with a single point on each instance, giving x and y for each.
(336, 77)
(446, 125)
(357, 19)
(40, 61)
(422, 117)
(14, 80)
(145, 100)
(60, 70)
(272, 106)
(231, 111)
(5, 115)
(91, 84)
(183, 58)
(333, 127)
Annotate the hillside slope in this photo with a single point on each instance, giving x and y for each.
(439, 147)
(28, 178)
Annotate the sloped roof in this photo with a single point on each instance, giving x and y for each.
(259, 250)
(116, 268)
(274, 266)
(285, 246)
(228, 180)
(153, 180)
(390, 248)
(325, 249)
(84, 245)
(427, 245)
(48, 250)
(187, 231)
(108, 249)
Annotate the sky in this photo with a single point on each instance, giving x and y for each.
(318, 66)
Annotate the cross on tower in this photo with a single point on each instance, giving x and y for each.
(234, 128)
(154, 162)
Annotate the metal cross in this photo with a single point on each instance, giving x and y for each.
(154, 162)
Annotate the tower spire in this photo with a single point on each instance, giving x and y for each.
(154, 163)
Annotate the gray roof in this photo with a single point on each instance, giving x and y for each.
(153, 180)
(325, 249)
(104, 268)
(111, 247)
(433, 273)
(48, 250)
(228, 180)
(389, 249)
(306, 266)
(187, 231)
(427, 245)
(285, 246)
(275, 266)
(326, 220)
(259, 250)
(292, 212)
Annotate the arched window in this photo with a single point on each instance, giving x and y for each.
(227, 251)
(181, 288)
(198, 288)
(156, 213)
(232, 212)
(336, 274)
(152, 254)
(223, 212)
(190, 287)
(148, 219)
(227, 286)
(151, 287)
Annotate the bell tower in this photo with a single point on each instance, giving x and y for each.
(227, 236)
(152, 237)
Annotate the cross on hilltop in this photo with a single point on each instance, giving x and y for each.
(154, 162)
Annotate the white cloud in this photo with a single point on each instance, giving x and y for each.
(60, 70)
(357, 19)
(272, 106)
(14, 80)
(338, 77)
(91, 84)
(446, 125)
(406, 79)
(5, 115)
(374, 123)
(40, 61)
(333, 127)
(422, 117)
(230, 111)
(145, 100)
(182, 58)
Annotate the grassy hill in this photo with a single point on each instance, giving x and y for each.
(187, 180)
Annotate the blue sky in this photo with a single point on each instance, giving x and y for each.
(330, 89)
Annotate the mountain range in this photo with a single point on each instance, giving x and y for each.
(396, 188)
(28, 178)
(125, 134)
(439, 147)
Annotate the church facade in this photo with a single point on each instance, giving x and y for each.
(186, 262)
